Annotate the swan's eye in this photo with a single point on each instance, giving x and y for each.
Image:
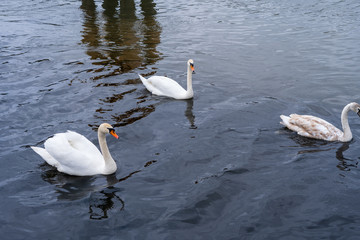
(111, 130)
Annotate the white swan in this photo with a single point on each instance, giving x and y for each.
(164, 86)
(74, 154)
(314, 127)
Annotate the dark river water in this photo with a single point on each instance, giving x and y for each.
(219, 166)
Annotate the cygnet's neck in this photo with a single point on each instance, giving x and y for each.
(345, 124)
(110, 165)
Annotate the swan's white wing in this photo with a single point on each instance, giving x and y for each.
(310, 126)
(164, 86)
(82, 144)
(75, 154)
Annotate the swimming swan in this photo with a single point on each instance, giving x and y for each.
(164, 86)
(74, 154)
(314, 127)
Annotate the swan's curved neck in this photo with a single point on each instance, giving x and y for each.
(345, 123)
(189, 82)
(110, 164)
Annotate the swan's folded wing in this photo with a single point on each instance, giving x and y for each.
(82, 144)
(73, 152)
(165, 86)
(310, 126)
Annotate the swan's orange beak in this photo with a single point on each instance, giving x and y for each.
(112, 132)
(192, 68)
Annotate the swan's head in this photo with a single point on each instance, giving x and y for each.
(107, 128)
(355, 107)
(191, 65)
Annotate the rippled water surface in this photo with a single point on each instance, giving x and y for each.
(219, 166)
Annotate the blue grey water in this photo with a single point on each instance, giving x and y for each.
(219, 166)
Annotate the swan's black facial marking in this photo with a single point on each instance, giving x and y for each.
(111, 130)
(192, 67)
(358, 112)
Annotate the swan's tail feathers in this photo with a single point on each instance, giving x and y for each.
(143, 80)
(288, 121)
(148, 85)
(285, 120)
(46, 156)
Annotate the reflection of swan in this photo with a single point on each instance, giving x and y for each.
(314, 127)
(189, 113)
(101, 202)
(345, 164)
(74, 154)
(164, 86)
(72, 188)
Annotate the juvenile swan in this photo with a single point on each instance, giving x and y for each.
(314, 127)
(74, 154)
(164, 86)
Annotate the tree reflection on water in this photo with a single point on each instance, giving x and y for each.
(119, 39)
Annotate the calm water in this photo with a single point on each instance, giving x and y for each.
(219, 166)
